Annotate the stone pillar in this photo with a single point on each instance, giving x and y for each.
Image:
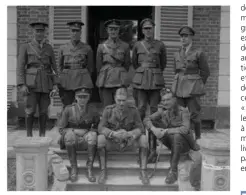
(215, 148)
(32, 163)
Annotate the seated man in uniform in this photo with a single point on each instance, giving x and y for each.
(121, 129)
(175, 133)
(78, 128)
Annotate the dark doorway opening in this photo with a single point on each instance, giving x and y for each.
(97, 15)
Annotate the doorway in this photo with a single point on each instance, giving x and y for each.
(96, 33)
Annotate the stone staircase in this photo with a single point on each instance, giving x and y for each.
(123, 173)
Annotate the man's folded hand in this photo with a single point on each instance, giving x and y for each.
(118, 135)
(158, 132)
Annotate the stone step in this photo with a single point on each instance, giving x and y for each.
(122, 183)
(121, 156)
(122, 167)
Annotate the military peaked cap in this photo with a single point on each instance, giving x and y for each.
(75, 24)
(147, 22)
(112, 23)
(186, 30)
(38, 25)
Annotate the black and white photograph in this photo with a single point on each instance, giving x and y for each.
(118, 98)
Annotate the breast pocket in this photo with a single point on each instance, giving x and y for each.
(178, 63)
(106, 56)
(141, 51)
(68, 58)
(176, 121)
(31, 56)
(154, 52)
(120, 54)
(130, 125)
(112, 124)
(192, 61)
(142, 55)
(80, 57)
(153, 55)
(45, 58)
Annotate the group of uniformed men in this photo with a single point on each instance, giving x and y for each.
(121, 126)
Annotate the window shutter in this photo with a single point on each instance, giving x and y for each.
(10, 90)
(171, 19)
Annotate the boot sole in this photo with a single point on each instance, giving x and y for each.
(141, 179)
(92, 181)
(170, 182)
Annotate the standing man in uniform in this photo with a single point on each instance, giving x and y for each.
(35, 76)
(174, 132)
(149, 62)
(121, 129)
(113, 62)
(192, 72)
(75, 64)
(78, 129)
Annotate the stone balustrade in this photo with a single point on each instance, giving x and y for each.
(34, 163)
(215, 149)
(31, 163)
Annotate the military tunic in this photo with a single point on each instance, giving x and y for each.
(192, 72)
(178, 138)
(114, 120)
(75, 65)
(36, 69)
(175, 122)
(78, 127)
(149, 61)
(113, 62)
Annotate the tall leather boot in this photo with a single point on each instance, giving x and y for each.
(42, 124)
(143, 166)
(197, 128)
(152, 148)
(103, 164)
(90, 161)
(173, 172)
(73, 161)
(29, 125)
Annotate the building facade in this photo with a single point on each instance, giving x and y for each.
(211, 23)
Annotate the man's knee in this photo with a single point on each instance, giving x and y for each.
(195, 117)
(43, 110)
(101, 141)
(179, 142)
(30, 108)
(143, 142)
(69, 138)
(196, 157)
(92, 138)
(177, 137)
(153, 108)
(31, 114)
(29, 111)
